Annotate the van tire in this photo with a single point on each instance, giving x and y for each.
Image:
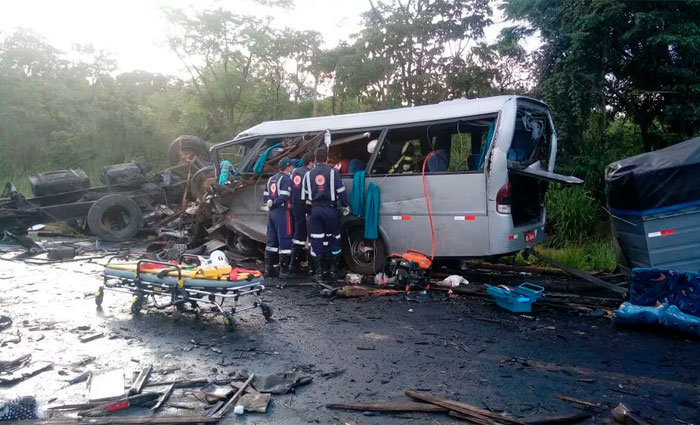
(242, 244)
(353, 242)
(114, 218)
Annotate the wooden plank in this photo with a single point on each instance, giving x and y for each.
(164, 398)
(124, 420)
(138, 385)
(231, 402)
(576, 400)
(389, 407)
(464, 409)
(581, 275)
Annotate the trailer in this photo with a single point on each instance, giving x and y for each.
(654, 202)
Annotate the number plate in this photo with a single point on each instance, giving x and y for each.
(530, 236)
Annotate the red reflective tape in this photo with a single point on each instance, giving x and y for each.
(405, 218)
(667, 232)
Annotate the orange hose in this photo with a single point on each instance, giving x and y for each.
(430, 213)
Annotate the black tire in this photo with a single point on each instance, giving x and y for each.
(361, 255)
(200, 181)
(114, 218)
(242, 244)
(192, 145)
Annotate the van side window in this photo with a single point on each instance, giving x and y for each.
(456, 146)
(349, 151)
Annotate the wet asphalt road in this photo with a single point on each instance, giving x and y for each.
(466, 349)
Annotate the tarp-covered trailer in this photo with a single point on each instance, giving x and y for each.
(654, 201)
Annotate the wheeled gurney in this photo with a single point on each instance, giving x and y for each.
(159, 285)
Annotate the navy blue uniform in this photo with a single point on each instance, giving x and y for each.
(324, 188)
(279, 221)
(301, 233)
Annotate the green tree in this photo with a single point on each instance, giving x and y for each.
(640, 59)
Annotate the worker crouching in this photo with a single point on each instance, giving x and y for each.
(324, 188)
(277, 198)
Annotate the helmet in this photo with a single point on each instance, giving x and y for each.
(371, 146)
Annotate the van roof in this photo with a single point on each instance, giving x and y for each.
(451, 109)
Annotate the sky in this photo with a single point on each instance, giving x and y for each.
(133, 31)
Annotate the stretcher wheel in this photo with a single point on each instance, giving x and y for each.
(137, 305)
(266, 311)
(99, 296)
(229, 321)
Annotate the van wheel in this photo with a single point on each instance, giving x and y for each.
(242, 244)
(362, 255)
(191, 147)
(114, 218)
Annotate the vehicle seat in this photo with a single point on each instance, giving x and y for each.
(473, 162)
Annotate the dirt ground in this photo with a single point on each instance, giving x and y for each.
(356, 350)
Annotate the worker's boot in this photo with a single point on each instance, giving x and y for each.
(333, 263)
(271, 259)
(317, 265)
(310, 261)
(295, 265)
(326, 268)
(285, 260)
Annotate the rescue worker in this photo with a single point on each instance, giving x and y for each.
(324, 187)
(299, 209)
(276, 196)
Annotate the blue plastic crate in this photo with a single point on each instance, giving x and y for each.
(518, 299)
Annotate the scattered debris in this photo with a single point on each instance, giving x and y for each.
(25, 372)
(453, 281)
(389, 407)
(280, 383)
(624, 416)
(80, 378)
(576, 400)
(91, 337)
(234, 398)
(163, 398)
(363, 291)
(5, 322)
(107, 386)
(140, 381)
(18, 409)
(255, 402)
(139, 400)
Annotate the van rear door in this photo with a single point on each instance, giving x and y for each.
(535, 170)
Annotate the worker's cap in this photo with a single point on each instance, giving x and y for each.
(286, 162)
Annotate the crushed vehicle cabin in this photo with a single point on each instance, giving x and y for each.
(463, 178)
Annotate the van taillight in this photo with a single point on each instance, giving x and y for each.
(503, 199)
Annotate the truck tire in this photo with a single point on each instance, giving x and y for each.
(114, 218)
(361, 255)
(192, 145)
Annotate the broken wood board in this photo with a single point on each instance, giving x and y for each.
(363, 291)
(464, 410)
(140, 381)
(107, 386)
(7, 366)
(389, 407)
(25, 373)
(255, 402)
(234, 398)
(576, 400)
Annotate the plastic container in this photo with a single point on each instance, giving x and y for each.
(518, 299)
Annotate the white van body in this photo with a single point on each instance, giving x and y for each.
(488, 203)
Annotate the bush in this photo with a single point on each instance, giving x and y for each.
(588, 256)
(572, 215)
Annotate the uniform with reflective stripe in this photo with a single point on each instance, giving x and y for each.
(279, 222)
(324, 187)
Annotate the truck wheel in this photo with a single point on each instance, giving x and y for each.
(362, 255)
(242, 244)
(201, 180)
(192, 146)
(114, 218)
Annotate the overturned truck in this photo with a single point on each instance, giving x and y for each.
(113, 211)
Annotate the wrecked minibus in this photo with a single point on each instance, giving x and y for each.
(481, 194)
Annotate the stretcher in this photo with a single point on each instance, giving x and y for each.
(160, 285)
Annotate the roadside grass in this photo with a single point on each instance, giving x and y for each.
(587, 256)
